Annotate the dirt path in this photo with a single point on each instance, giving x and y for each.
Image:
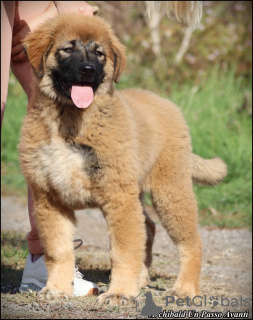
(227, 254)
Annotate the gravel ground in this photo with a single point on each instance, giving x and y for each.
(227, 256)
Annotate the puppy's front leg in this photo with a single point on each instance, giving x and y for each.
(126, 225)
(56, 226)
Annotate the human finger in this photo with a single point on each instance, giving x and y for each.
(20, 57)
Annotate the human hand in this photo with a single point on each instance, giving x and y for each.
(22, 27)
(20, 30)
(74, 6)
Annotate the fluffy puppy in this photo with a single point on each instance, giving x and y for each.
(86, 145)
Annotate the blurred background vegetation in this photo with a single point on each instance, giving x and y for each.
(207, 72)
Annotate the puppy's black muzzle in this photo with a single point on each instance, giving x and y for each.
(77, 70)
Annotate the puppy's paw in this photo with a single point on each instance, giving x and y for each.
(183, 291)
(50, 293)
(114, 299)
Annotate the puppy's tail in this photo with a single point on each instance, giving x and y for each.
(208, 172)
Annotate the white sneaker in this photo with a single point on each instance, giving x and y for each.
(35, 277)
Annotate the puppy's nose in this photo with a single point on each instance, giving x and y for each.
(87, 69)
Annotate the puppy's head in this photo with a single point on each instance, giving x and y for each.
(75, 57)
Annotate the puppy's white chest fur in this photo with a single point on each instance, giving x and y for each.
(62, 168)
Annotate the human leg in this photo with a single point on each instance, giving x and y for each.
(7, 21)
(32, 13)
(35, 274)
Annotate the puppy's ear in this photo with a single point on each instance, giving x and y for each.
(119, 55)
(37, 46)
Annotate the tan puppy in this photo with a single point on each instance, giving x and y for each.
(85, 145)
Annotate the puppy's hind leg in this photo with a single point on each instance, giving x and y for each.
(150, 229)
(56, 227)
(176, 206)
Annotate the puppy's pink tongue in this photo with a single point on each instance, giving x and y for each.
(82, 96)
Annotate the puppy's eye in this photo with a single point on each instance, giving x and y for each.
(99, 53)
(68, 50)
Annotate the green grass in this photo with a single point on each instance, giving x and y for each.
(218, 115)
(220, 125)
(14, 250)
(12, 179)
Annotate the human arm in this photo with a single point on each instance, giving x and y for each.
(22, 27)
